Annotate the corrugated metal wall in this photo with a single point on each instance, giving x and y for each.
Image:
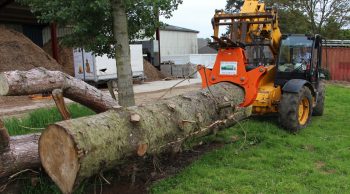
(178, 43)
(338, 62)
(61, 31)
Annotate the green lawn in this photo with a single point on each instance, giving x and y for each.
(39, 119)
(316, 160)
(268, 160)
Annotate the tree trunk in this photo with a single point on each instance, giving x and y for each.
(122, 54)
(21, 154)
(73, 150)
(39, 80)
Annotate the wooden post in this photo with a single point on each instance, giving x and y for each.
(54, 42)
(57, 95)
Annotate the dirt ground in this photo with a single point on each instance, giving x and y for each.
(150, 171)
(19, 106)
(341, 83)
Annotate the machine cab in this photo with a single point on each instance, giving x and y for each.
(299, 58)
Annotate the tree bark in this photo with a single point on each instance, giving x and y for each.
(4, 137)
(122, 54)
(73, 150)
(21, 154)
(57, 95)
(39, 80)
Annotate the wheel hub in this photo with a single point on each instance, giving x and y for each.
(304, 110)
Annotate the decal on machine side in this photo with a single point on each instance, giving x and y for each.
(228, 68)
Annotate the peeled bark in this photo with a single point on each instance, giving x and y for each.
(40, 80)
(57, 95)
(73, 150)
(21, 154)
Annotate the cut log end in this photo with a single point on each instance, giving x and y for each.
(59, 157)
(4, 86)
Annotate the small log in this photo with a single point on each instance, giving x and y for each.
(73, 150)
(21, 154)
(4, 137)
(40, 80)
(57, 96)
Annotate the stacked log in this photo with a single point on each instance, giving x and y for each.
(73, 150)
(21, 154)
(40, 80)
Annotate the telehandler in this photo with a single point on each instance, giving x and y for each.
(279, 73)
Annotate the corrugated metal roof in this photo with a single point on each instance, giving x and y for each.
(168, 27)
(337, 43)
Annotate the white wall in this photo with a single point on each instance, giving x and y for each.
(178, 43)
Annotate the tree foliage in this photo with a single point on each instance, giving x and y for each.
(326, 17)
(91, 20)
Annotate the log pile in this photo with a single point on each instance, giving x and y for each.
(40, 80)
(22, 153)
(73, 150)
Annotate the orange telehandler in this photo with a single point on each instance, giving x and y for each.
(279, 73)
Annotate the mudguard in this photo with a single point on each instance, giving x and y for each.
(295, 85)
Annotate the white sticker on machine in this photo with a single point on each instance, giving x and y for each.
(228, 68)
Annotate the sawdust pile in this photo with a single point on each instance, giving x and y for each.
(65, 57)
(151, 73)
(17, 52)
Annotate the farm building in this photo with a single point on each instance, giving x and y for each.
(19, 18)
(173, 41)
(336, 59)
(176, 40)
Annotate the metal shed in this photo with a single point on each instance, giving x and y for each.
(176, 40)
(336, 58)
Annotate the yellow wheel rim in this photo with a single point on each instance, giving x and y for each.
(304, 110)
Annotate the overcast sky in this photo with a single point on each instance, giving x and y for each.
(196, 15)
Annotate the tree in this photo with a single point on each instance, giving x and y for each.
(234, 5)
(310, 16)
(321, 12)
(105, 27)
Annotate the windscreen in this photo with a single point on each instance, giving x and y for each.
(295, 54)
(259, 55)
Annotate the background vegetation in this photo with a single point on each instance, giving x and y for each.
(330, 18)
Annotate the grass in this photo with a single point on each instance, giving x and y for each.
(316, 160)
(35, 122)
(41, 118)
(268, 160)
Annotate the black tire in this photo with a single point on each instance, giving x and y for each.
(319, 108)
(289, 109)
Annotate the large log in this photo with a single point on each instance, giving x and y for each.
(21, 154)
(73, 150)
(39, 80)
